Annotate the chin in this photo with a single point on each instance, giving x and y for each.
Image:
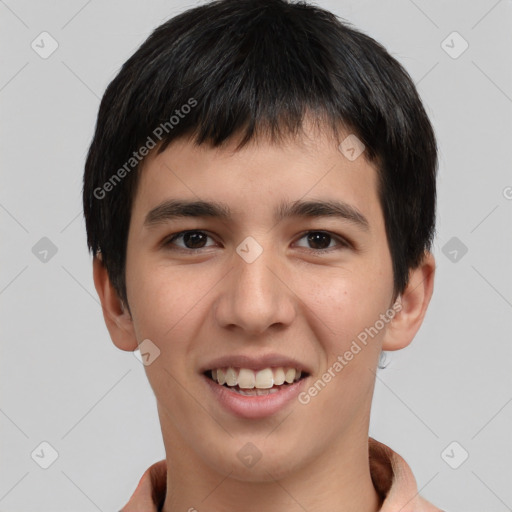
(247, 463)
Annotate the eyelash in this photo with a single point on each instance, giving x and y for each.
(343, 244)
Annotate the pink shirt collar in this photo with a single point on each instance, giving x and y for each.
(391, 475)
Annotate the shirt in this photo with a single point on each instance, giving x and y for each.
(391, 475)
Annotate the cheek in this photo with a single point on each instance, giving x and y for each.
(162, 300)
(343, 308)
(343, 302)
(164, 304)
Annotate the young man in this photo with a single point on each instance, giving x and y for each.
(260, 203)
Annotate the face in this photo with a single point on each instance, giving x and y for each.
(244, 291)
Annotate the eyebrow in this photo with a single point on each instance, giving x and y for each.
(179, 208)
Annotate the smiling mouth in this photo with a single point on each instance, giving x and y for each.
(245, 381)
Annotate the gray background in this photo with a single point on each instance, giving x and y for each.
(65, 383)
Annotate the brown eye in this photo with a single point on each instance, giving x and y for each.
(194, 240)
(319, 241)
(191, 240)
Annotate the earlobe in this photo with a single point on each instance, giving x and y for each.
(413, 304)
(117, 317)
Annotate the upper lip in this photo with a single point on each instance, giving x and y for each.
(255, 363)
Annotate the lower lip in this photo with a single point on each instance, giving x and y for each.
(254, 407)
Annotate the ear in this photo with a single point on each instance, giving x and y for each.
(117, 317)
(411, 306)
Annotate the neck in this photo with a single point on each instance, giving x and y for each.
(338, 479)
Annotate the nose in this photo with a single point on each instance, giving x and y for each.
(256, 295)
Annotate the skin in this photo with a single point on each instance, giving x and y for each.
(198, 306)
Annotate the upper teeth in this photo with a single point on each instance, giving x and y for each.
(249, 379)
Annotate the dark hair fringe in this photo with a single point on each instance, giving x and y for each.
(258, 67)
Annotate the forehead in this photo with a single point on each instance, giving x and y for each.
(262, 177)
